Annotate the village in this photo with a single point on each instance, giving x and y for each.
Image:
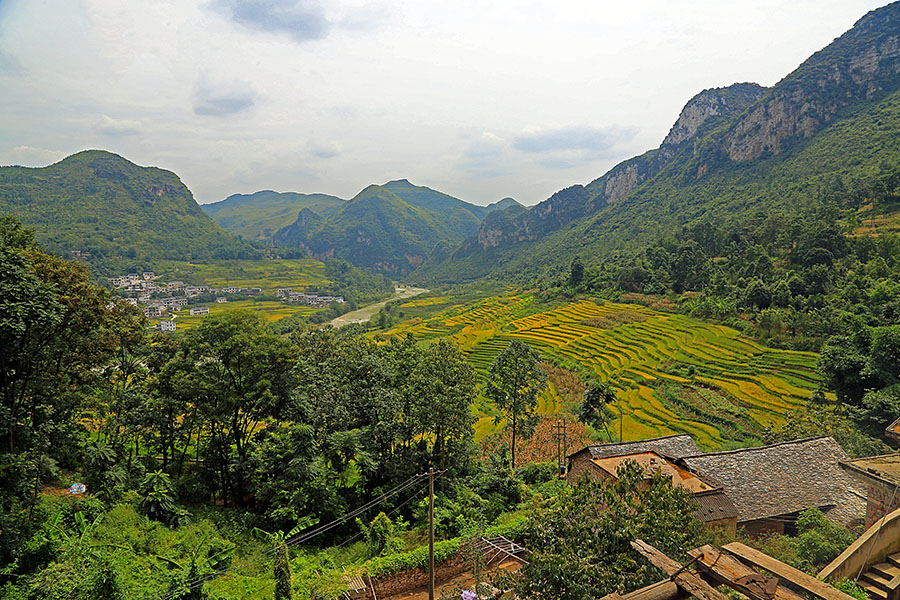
(160, 300)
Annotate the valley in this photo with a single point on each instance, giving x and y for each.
(671, 373)
(344, 396)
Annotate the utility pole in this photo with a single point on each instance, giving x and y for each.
(430, 474)
(560, 432)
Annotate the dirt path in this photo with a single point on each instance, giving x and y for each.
(365, 313)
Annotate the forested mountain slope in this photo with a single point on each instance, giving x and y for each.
(392, 228)
(100, 203)
(733, 151)
(261, 214)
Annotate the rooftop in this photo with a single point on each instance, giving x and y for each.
(884, 468)
(782, 478)
(670, 446)
(651, 461)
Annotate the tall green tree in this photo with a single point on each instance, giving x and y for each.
(514, 382)
(594, 410)
(442, 387)
(579, 546)
(238, 374)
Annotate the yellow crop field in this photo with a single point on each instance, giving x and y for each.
(671, 373)
(271, 311)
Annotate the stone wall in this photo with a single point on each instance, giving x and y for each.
(881, 500)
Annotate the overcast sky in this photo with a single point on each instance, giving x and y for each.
(479, 99)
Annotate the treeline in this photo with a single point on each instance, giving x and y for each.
(797, 276)
(291, 429)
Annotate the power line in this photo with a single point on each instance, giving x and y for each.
(303, 537)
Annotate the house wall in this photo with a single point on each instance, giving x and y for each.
(880, 500)
(580, 466)
(760, 527)
(729, 525)
(411, 579)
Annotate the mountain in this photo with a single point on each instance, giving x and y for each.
(739, 150)
(392, 228)
(261, 214)
(98, 202)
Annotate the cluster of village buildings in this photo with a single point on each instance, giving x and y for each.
(308, 298)
(144, 289)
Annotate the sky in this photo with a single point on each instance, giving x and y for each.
(480, 100)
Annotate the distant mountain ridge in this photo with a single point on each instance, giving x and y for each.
(392, 228)
(733, 149)
(100, 203)
(260, 214)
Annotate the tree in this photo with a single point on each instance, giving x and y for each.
(514, 382)
(576, 272)
(579, 546)
(595, 408)
(237, 373)
(442, 386)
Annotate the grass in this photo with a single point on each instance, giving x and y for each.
(671, 373)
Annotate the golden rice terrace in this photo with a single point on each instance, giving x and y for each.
(671, 373)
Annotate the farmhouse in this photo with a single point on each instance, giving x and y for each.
(601, 462)
(155, 310)
(200, 310)
(230, 290)
(166, 325)
(881, 477)
(772, 485)
(760, 489)
(221, 299)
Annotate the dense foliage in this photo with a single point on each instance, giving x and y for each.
(115, 211)
(579, 541)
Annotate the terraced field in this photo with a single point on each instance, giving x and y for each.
(671, 373)
(271, 310)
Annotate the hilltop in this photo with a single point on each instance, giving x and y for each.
(392, 228)
(102, 204)
(734, 151)
(260, 214)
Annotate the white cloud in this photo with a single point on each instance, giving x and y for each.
(328, 96)
(109, 126)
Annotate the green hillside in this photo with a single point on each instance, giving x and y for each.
(261, 214)
(831, 123)
(392, 228)
(100, 203)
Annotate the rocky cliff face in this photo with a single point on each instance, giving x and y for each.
(859, 66)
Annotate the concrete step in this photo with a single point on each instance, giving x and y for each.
(876, 580)
(886, 570)
(875, 593)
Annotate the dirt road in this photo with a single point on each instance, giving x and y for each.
(365, 313)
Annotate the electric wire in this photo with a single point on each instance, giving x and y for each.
(304, 536)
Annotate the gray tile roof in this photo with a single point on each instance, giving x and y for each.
(783, 478)
(670, 446)
(714, 506)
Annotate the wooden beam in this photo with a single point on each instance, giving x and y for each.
(662, 590)
(726, 569)
(797, 577)
(686, 580)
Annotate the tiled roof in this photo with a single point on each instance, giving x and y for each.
(783, 478)
(671, 446)
(714, 506)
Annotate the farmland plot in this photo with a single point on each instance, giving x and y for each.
(671, 373)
